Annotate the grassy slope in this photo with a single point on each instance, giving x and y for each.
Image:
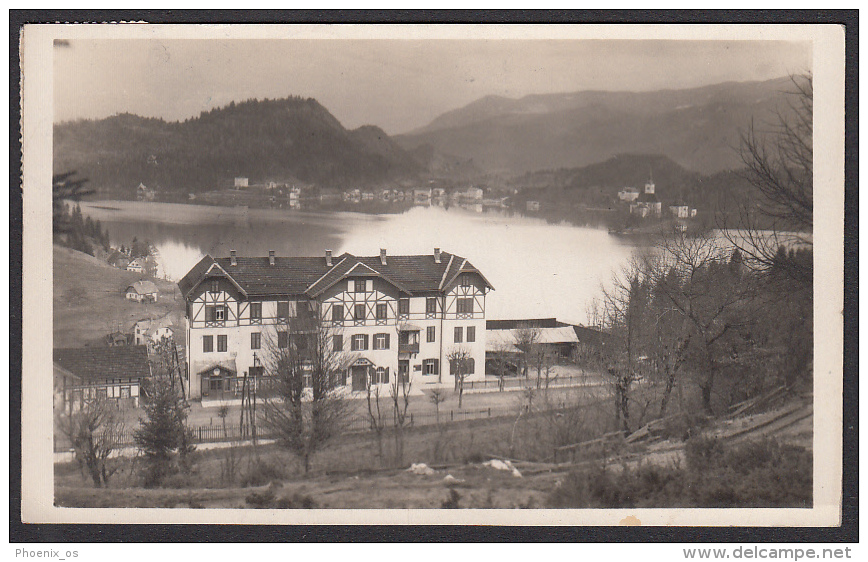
(89, 301)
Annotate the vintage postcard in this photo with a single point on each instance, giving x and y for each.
(427, 274)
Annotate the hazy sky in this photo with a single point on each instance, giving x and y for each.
(396, 84)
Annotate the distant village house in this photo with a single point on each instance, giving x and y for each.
(142, 291)
(148, 331)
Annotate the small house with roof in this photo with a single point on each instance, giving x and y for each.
(150, 331)
(142, 291)
(385, 317)
(112, 373)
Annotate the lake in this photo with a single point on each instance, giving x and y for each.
(538, 269)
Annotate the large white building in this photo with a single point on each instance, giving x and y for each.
(386, 316)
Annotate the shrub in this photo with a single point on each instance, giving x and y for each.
(261, 499)
(753, 474)
(262, 473)
(452, 501)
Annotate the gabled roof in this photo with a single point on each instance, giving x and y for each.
(143, 287)
(94, 364)
(309, 277)
(461, 265)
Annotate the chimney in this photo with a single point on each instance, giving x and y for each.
(270, 257)
(328, 258)
(232, 259)
(436, 255)
(383, 256)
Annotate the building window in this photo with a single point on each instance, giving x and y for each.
(337, 313)
(468, 366)
(359, 312)
(255, 340)
(430, 366)
(359, 285)
(432, 334)
(256, 311)
(465, 306)
(459, 333)
(207, 344)
(471, 334)
(215, 313)
(222, 343)
(282, 340)
(337, 343)
(465, 280)
(380, 375)
(431, 305)
(215, 286)
(382, 311)
(283, 309)
(360, 342)
(404, 307)
(381, 341)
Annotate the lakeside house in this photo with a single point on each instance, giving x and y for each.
(118, 259)
(386, 316)
(647, 203)
(532, 205)
(241, 183)
(86, 373)
(628, 194)
(145, 193)
(142, 291)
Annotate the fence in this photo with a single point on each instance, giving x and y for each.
(355, 424)
(555, 381)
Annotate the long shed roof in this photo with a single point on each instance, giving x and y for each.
(95, 364)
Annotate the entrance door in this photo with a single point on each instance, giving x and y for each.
(403, 370)
(360, 374)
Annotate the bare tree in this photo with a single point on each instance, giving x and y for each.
(437, 397)
(94, 430)
(305, 409)
(779, 163)
(501, 362)
(376, 418)
(459, 366)
(399, 391)
(526, 337)
(708, 295)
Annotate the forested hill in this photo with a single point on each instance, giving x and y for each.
(280, 140)
(597, 185)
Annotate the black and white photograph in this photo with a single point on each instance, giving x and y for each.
(548, 274)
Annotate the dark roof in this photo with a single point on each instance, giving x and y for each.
(524, 323)
(591, 336)
(101, 363)
(311, 276)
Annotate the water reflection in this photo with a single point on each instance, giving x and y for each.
(538, 269)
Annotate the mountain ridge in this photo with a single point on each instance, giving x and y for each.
(698, 127)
